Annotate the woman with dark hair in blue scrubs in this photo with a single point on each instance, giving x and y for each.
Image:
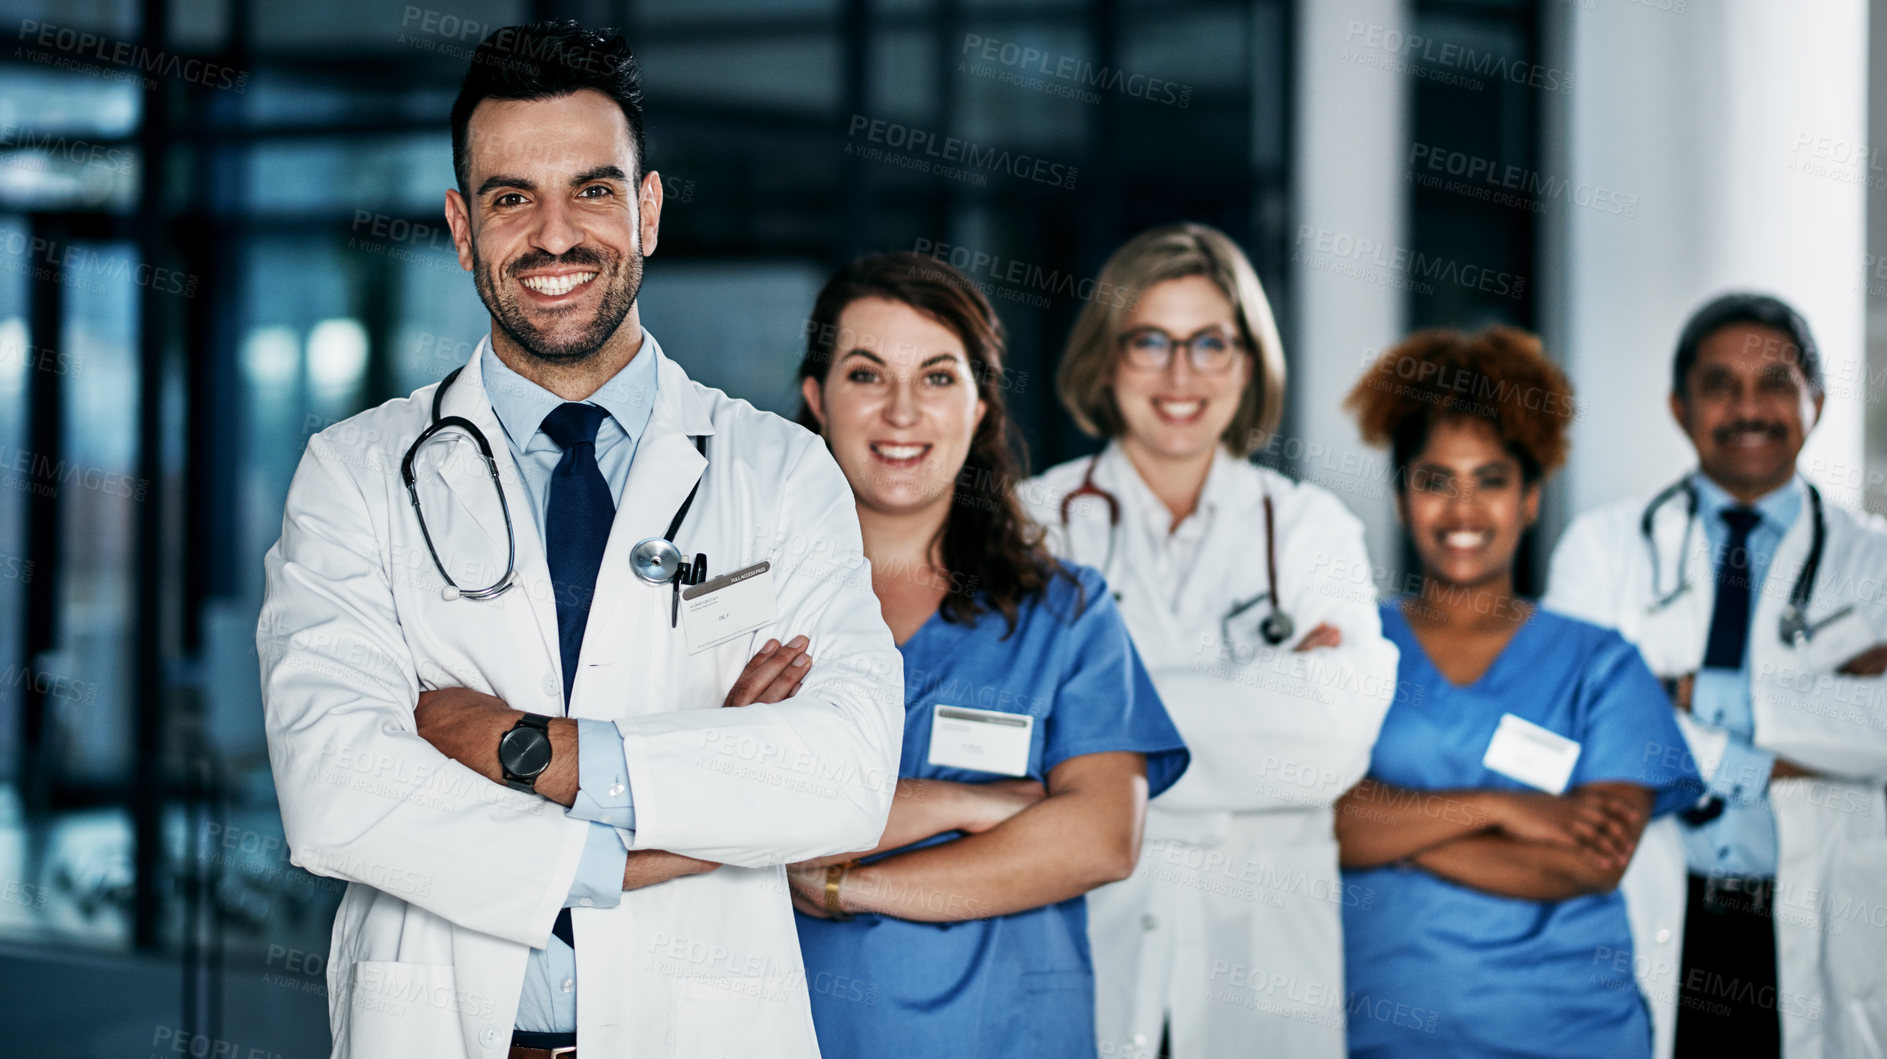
(1522, 756)
(1032, 736)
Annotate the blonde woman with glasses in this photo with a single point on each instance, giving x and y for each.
(1249, 597)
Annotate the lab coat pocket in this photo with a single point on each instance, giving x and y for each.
(402, 1008)
(1058, 1008)
(1856, 901)
(724, 1015)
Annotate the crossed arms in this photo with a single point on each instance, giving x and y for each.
(1522, 844)
(1026, 845)
(367, 798)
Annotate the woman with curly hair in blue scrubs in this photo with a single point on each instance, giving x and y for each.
(1522, 756)
(1032, 735)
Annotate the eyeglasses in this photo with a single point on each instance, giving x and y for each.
(1210, 349)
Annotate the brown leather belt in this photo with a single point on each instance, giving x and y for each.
(518, 1051)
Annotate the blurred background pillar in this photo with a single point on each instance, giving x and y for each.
(1741, 128)
(1875, 274)
(1350, 178)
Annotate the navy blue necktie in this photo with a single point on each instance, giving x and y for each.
(576, 528)
(1729, 622)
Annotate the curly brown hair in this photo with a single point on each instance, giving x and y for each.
(1499, 375)
(991, 548)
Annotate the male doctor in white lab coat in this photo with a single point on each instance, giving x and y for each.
(551, 832)
(1759, 915)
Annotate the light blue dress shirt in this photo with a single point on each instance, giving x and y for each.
(549, 1000)
(1742, 840)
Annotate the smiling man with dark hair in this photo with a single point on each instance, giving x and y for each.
(496, 596)
(1759, 603)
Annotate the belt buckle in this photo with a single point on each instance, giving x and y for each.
(563, 1052)
(1739, 893)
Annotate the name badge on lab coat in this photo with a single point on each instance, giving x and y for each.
(714, 612)
(962, 737)
(1524, 751)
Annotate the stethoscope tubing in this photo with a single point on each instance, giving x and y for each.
(1793, 627)
(683, 572)
(1276, 627)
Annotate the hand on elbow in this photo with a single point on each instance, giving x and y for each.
(1594, 873)
(987, 804)
(1597, 869)
(1588, 821)
(773, 674)
(465, 725)
(1324, 635)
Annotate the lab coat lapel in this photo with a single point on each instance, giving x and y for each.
(665, 467)
(1228, 563)
(1134, 574)
(470, 484)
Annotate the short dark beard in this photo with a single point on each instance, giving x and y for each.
(622, 275)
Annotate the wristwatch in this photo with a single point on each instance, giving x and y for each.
(524, 752)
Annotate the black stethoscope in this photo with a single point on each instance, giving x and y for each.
(1794, 627)
(655, 560)
(1276, 627)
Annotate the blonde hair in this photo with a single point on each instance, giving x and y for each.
(1174, 251)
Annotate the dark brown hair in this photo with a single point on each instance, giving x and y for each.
(989, 544)
(547, 60)
(1744, 308)
(1499, 376)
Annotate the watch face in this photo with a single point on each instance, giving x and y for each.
(524, 752)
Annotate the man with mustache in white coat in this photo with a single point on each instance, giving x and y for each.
(1763, 606)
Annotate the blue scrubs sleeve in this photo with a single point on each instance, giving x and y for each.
(1629, 732)
(1107, 700)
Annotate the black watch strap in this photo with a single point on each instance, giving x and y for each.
(527, 745)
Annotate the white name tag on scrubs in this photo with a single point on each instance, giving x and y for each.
(1522, 750)
(714, 612)
(962, 737)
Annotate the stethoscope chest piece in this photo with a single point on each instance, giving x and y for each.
(1794, 627)
(655, 560)
(1276, 628)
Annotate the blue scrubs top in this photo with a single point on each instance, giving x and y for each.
(1435, 968)
(1019, 985)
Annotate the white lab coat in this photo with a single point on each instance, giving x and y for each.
(1232, 922)
(1831, 874)
(454, 879)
